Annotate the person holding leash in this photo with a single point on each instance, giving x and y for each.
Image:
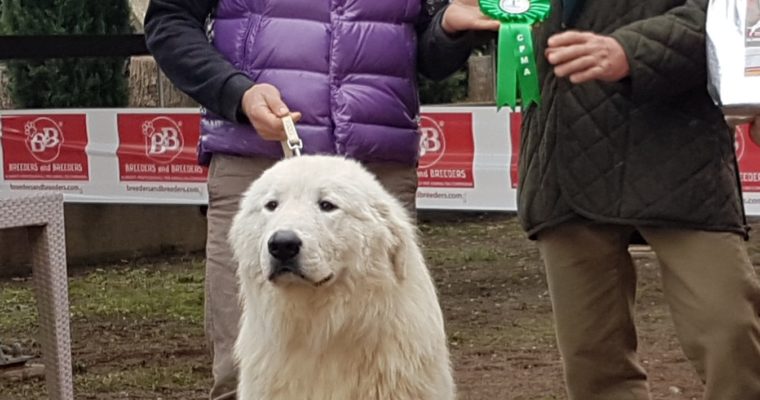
(627, 139)
(346, 71)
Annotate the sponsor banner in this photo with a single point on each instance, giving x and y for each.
(93, 142)
(44, 147)
(476, 145)
(469, 157)
(748, 155)
(159, 148)
(446, 150)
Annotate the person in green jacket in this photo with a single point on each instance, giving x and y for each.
(627, 141)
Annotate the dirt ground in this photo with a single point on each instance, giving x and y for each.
(137, 327)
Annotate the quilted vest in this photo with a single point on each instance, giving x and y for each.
(650, 150)
(349, 66)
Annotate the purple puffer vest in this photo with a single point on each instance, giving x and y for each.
(349, 66)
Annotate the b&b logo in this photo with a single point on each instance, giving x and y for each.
(163, 139)
(432, 142)
(446, 150)
(44, 138)
(159, 148)
(739, 145)
(44, 147)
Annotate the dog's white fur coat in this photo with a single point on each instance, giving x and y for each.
(374, 330)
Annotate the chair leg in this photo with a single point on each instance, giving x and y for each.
(50, 277)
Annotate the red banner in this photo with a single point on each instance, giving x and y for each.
(45, 147)
(748, 154)
(446, 150)
(159, 148)
(515, 122)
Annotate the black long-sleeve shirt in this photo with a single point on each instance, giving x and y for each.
(175, 32)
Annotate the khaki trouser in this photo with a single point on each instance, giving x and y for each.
(228, 178)
(710, 287)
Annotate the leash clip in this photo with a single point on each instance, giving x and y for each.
(293, 144)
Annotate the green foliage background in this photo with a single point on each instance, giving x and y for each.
(75, 82)
(450, 90)
(454, 88)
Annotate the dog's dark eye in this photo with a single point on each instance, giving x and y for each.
(271, 205)
(326, 206)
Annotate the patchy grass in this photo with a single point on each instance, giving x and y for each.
(172, 292)
(17, 308)
(137, 329)
(134, 383)
(145, 292)
(148, 378)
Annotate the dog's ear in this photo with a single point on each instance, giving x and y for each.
(403, 240)
(243, 242)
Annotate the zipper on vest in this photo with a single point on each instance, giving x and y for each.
(246, 37)
(336, 11)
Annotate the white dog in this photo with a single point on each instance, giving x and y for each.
(338, 302)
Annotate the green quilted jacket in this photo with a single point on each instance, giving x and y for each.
(650, 150)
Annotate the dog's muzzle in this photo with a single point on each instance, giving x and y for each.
(284, 247)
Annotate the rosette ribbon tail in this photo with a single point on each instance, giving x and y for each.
(516, 73)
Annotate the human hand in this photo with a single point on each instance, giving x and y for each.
(585, 56)
(263, 106)
(465, 15)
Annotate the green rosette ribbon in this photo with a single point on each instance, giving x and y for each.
(516, 64)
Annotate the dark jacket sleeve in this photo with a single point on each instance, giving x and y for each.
(439, 54)
(666, 53)
(176, 36)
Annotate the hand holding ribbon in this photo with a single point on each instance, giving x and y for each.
(465, 15)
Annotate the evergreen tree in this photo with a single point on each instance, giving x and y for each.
(71, 82)
(450, 90)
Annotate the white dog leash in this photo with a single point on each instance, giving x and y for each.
(292, 145)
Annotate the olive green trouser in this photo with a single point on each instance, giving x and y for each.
(710, 287)
(228, 178)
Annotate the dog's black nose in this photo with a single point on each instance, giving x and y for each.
(284, 245)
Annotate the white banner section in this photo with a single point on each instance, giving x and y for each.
(148, 156)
